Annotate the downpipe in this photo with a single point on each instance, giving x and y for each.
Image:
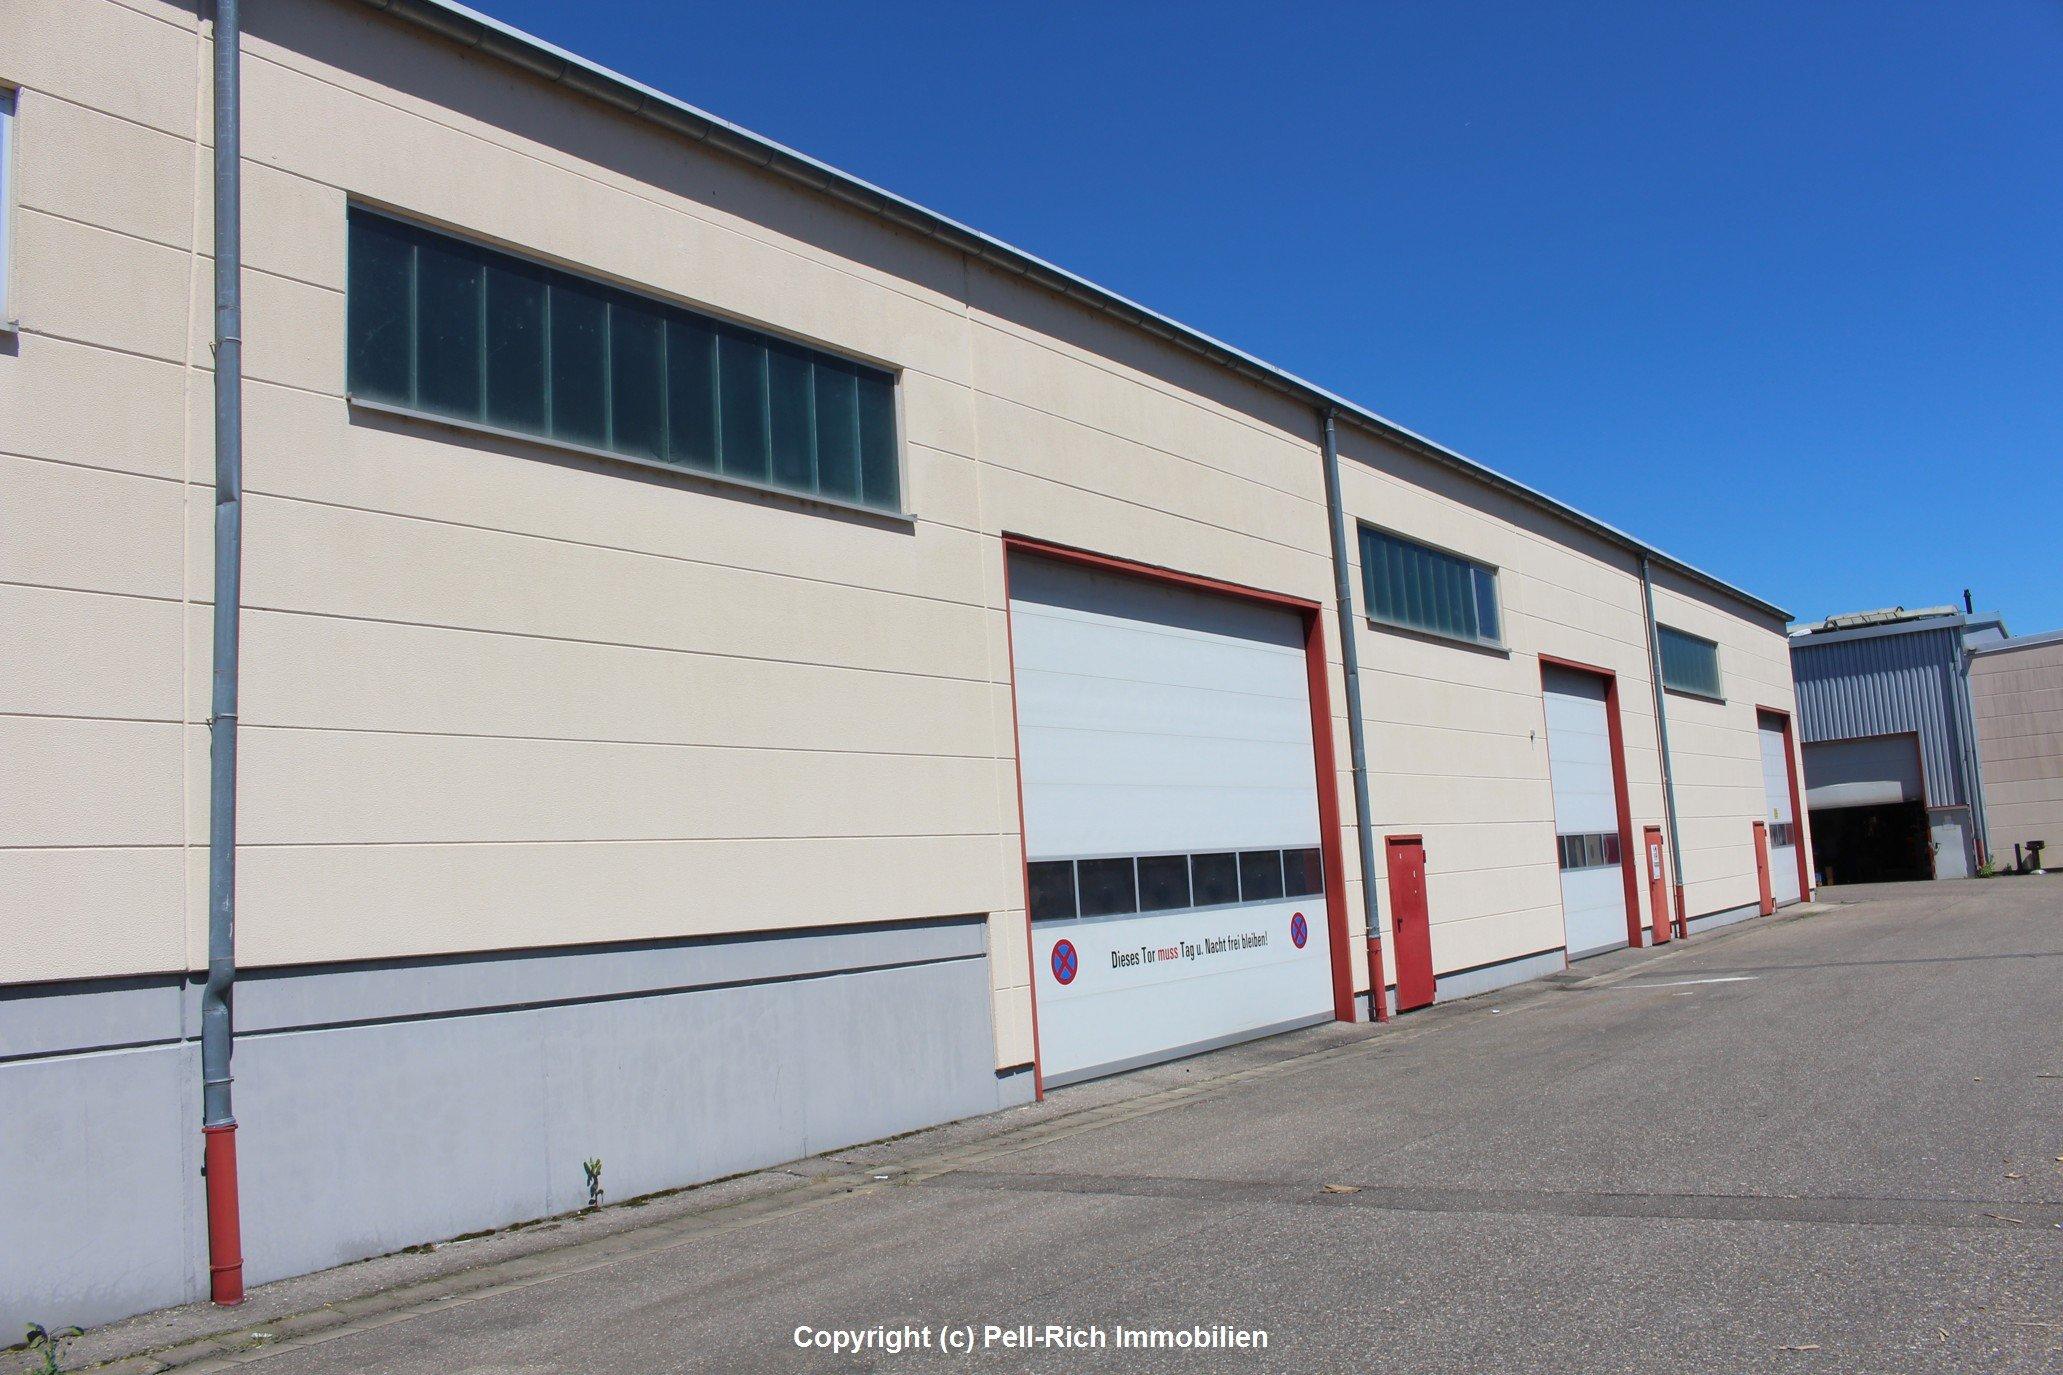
(218, 1121)
(1647, 597)
(1357, 744)
(1966, 752)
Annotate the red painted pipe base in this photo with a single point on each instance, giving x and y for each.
(1378, 997)
(225, 1229)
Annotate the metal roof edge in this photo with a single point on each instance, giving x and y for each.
(1814, 639)
(470, 28)
(2047, 637)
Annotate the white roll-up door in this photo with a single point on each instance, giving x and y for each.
(1870, 772)
(1171, 818)
(1586, 811)
(1782, 819)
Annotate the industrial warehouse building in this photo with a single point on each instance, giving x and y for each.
(733, 663)
(1891, 771)
(1933, 743)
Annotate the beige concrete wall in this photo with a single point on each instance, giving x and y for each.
(97, 392)
(1457, 734)
(494, 696)
(1713, 745)
(2016, 696)
(501, 696)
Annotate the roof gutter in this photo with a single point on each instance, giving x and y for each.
(2051, 637)
(471, 29)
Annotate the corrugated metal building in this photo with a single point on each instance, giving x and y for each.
(1890, 747)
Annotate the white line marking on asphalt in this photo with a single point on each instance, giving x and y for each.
(1678, 983)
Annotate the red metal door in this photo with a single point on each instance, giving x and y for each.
(1408, 923)
(1762, 867)
(1658, 884)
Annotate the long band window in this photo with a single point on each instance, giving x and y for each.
(1690, 663)
(448, 328)
(1418, 587)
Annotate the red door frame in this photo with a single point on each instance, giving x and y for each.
(1654, 856)
(1325, 761)
(1628, 877)
(1766, 893)
(1408, 993)
(1803, 838)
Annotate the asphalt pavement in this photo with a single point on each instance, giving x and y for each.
(1824, 1141)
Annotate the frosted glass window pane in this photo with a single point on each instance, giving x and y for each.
(580, 382)
(741, 380)
(838, 432)
(637, 380)
(691, 393)
(447, 340)
(878, 479)
(515, 348)
(789, 407)
(1487, 623)
(380, 285)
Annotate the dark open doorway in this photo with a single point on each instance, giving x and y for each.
(1880, 844)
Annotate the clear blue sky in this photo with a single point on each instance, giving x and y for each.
(1776, 286)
